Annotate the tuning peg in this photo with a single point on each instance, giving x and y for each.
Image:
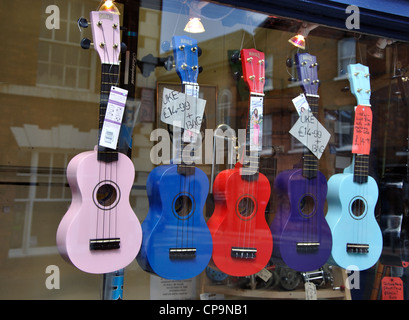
(289, 62)
(167, 63)
(165, 46)
(292, 79)
(86, 43)
(237, 76)
(235, 57)
(200, 69)
(199, 51)
(82, 23)
(345, 89)
(315, 64)
(123, 47)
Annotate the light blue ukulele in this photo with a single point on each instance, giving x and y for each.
(352, 195)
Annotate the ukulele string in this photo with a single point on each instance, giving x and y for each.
(259, 132)
(310, 164)
(305, 166)
(108, 170)
(243, 172)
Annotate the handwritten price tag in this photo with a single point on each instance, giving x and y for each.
(361, 142)
(311, 133)
(392, 288)
(182, 110)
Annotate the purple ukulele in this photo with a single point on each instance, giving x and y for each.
(302, 238)
(100, 233)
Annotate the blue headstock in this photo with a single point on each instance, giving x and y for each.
(359, 79)
(185, 52)
(307, 67)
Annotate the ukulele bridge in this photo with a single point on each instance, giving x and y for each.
(307, 247)
(243, 253)
(357, 248)
(182, 253)
(104, 244)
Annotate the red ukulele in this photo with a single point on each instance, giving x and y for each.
(242, 240)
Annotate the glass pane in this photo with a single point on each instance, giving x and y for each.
(58, 54)
(51, 105)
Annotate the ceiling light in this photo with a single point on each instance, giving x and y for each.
(299, 39)
(194, 25)
(108, 5)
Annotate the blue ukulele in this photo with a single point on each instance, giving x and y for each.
(352, 195)
(176, 240)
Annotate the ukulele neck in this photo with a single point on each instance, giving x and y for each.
(310, 161)
(187, 138)
(254, 137)
(361, 168)
(109, 78)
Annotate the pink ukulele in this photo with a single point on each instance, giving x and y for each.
(100, 233)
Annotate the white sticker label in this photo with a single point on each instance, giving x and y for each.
(256, 123)
(264, 274)
(311, 133)
(113, 118)
(183, 109)
(310, 291)
(301, 103)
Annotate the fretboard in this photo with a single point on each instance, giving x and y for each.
(310, 161)
(251, 167)
(187, 168)
(109, 78)
(361, 168)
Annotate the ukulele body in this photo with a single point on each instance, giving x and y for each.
(302, 237)
(176, 240)
(351, 218)
(242, 241)
(88, 222)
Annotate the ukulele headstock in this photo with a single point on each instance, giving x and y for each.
(253, 65)
(307, 68)
(359, 79)
(106, 36)
(186, 54)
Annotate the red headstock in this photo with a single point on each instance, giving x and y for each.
(253, 66)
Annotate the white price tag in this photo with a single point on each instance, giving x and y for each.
(301, 103)
(311, 133)
(256, 123)
(113, 118)
(183, 109)
(310, 291)
(264, 274)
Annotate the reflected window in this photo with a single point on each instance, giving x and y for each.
(60, 62)
(346, 55)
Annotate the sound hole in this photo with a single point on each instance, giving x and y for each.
(358, 208)
(106, 195)
(246, 207)
(307, 205)
(183, 206)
